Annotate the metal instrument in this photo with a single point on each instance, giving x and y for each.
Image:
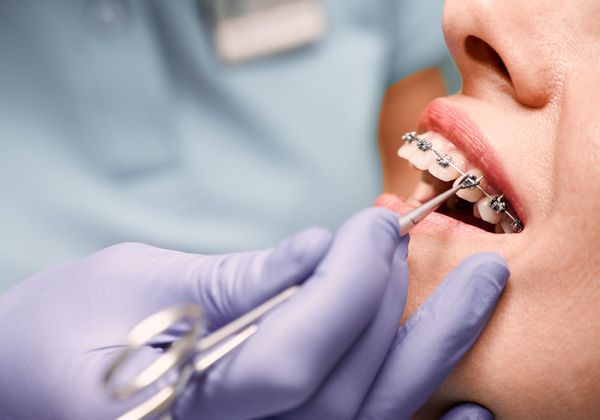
(185, 357)
(413, 217)
(192, 354)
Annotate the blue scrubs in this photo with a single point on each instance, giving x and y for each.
(119, 123)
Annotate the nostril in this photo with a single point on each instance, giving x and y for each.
(482, 52)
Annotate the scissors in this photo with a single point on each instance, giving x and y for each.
(187, 356)
(192, 354)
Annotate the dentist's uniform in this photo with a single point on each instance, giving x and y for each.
(119, 122)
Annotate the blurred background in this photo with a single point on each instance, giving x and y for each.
(207, 126)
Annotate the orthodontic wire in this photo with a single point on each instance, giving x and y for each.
(425, 145)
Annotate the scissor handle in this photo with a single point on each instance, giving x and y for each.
(180, 357)
(176, 355)
(163, 400)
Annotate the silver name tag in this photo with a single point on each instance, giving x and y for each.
(247, 29)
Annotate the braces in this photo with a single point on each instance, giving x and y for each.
(497, 202)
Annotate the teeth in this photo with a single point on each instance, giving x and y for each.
(470, 194)
(484, 208)
(505, 225)
(476, 211)
(448, 173)
(418, 157)
(422, 160)
(407, 150)
(497, 204)
(434, 153)
(443, 166)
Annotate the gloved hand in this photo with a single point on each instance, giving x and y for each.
(468, 411)
(424, 351)
(313, 354)
(61, 328)
(434, 339)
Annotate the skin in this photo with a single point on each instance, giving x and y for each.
(539, 356)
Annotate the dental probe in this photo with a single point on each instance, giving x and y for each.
(413, 217)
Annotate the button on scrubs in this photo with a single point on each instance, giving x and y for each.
(119, 123)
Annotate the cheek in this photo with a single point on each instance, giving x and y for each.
(536, 359)
(576, 168)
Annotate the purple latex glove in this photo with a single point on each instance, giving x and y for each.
(62, 327)
(468, 411)
(316, 356)
(434, 339)
(354, 300)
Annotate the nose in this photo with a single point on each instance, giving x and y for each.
(498, 48)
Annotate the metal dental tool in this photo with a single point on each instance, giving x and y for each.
(497, 202)
(189, 355)
(413, 217)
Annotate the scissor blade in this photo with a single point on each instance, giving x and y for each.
(207, 360)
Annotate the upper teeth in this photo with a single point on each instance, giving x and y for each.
(432, 152)
(498, 204)
(444, 161)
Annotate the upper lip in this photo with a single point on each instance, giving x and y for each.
(445, 119)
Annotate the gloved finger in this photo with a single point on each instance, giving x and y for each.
(341, 394)
(228, 286)
(299, 342)
(468, 411)
(225, 286)
(436, 337)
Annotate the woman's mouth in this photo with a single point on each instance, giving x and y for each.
(443, 165)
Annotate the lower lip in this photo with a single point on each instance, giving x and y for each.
(434, 223)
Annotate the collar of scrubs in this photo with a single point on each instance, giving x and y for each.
(248, 29)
